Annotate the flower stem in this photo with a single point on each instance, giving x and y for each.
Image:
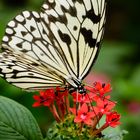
(81, 127)
(54, 112)
(95, 132)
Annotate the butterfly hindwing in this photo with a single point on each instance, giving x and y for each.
(26, 73)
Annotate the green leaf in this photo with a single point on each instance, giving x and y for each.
(17, 122)
(114, 133)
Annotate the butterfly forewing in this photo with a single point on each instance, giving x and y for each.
(77, 26)
(91, 35)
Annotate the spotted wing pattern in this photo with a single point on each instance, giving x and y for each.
(58, 44)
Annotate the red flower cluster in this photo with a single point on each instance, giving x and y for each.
(91, 114)
(112, 119)
(51, 96)
(45, 98)
(87, 108)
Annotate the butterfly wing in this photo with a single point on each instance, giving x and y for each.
(27, 73)
(64, 38)
(77, 27)
(26, 34)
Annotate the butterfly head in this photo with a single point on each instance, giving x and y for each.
(80, 89)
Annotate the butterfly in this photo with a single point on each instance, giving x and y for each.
(54, 47)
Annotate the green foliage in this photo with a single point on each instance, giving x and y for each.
(16, 122)
(69, 130)
(115, 134)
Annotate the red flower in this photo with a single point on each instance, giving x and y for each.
(90, 89)
(102, 88)
(112, 119)
(45, 98)
(83, 115)
(81, 98)
(98, 91)
(103, 106)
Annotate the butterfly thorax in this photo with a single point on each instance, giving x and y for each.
(80, 89)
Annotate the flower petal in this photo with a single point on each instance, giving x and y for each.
(36, 104)
(84, 108)
(36, 97)
(107, 88)
(88, 122)
(91, 114)
(73, 110)
(77, 119)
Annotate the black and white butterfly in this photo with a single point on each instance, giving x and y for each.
(54, 47)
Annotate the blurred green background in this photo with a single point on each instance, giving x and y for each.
(118, 61)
